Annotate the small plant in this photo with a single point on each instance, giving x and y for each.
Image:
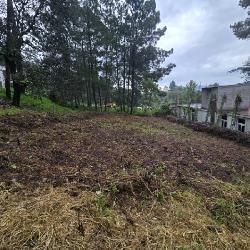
(160, 170)
(102, 204)
(223, 101)
(164, 110)
(225, 212)
(114, 190)
(179, 213)
(160, 196)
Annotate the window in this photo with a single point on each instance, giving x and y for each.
(241, 124)
(224, 121)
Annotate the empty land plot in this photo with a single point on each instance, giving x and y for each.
(119, 182)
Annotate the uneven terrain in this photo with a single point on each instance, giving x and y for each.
(102, 181)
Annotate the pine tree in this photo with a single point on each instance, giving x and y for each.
(242, 31)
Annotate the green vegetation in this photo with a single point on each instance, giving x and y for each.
(42, 105)
(29, 102)
(225, 212)
(9, 111)
(102, 204)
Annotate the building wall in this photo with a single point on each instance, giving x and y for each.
(202, 114)
(206, 93)
(231, 92)
(248, 125)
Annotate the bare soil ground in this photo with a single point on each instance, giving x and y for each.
(95, 181)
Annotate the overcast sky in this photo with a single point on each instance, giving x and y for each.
(205, 48)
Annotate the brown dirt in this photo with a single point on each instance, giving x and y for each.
(91, 148)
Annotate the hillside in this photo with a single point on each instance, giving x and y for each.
(30, 102)
(105, 181)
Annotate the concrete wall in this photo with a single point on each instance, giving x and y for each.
(206, 93)
(248, 125)
(202, 114)
(231, 92)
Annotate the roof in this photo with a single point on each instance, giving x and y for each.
(193, 105)
(227, 86)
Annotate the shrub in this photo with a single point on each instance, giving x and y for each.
(164, 110)
(233, 135)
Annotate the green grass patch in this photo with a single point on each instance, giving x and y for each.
(39, 104)
(42, 105)
(9, 111)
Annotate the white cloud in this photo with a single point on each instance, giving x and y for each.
(185, 30)
(205, 48)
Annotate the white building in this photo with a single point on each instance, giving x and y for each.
(226, 118)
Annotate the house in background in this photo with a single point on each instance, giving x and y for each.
(181, 110)
(222, 98)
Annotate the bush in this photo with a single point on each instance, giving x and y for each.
(233, 135)
(164, 110)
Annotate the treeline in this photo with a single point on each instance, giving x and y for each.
(177, 94)
(83, 52)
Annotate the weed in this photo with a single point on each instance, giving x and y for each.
(225, 212)
(114, 190)
(102, 204)
(160, 196)
(222, 210)
(160, 170)
(179, 213)
(9, 111)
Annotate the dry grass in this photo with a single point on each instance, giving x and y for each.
(53, 218)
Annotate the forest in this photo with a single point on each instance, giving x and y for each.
(83, 53)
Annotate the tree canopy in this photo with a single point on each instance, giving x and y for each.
(83, 52)
(242, 31)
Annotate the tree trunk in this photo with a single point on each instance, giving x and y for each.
(89, 101)
(7, 79)
(17, 94)
(124, 83)
(107, 86)
(100, 97)
(9, 45)
(128, 86)
(118, 80)
(132, 93)
(132, 82)
(19, 88)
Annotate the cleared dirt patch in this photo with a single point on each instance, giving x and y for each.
(115, 181)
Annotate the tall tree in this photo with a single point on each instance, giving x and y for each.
(145, 59)
(190, 93)
(242, 31)
(172, 85)
(21, 17)
(86, 52)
